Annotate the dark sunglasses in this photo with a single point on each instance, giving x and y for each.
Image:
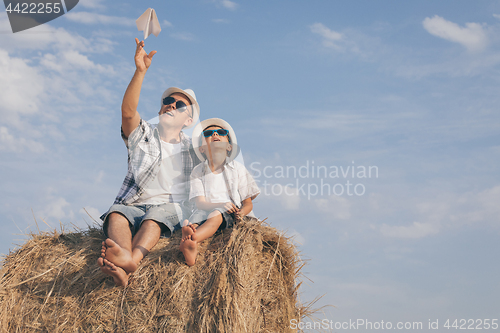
(179, 105)
(220, 131)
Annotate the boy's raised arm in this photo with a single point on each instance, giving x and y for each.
(130, 116)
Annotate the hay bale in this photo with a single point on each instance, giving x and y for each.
(244, 280)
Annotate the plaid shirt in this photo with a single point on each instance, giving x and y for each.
(144, 159)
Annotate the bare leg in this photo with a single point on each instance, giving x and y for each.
(189, 244)
(117, 248)
(209, 228)
(120, 277)
(145, 239)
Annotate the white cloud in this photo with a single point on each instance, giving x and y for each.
(166, 23)
(322, 30)
(46, 37)
(100, 176)
(289, 198)
(330, 37)
(9, 142)
(91, 213)
(20, 88)
(479, 207)
(96, 4)
(70, 61)
(47, 84)
(472, 36)
(335, 206)
(283, 195)
(449, 211)
(416, 230)
(346, 125)
(56, 208)
(78, 60)
(496, 16)
(459, 66)
(186, 36)
(228, 4)
(297, 237)
(93, 18)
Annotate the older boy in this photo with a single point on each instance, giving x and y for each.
(222, 188)
(154, 196)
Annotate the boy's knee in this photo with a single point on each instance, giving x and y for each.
(151, 224)
(214, 214)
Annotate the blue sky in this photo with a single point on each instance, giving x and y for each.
(408, 88)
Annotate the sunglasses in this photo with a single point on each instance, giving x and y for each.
(220, 131)
(180, 106)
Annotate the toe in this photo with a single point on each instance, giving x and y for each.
(109, 264)
(110, 243)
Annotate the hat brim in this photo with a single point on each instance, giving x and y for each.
(192, 99)
(214, 122)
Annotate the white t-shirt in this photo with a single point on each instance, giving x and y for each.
(217, 192)
(241, 183)
(169, 182)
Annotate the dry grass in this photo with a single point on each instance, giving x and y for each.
(245, 280)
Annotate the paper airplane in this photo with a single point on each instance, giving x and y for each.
(148, 22)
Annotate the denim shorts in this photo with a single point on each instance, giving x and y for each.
(200, 216)
(167, 215)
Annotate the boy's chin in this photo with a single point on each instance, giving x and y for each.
(218, 145)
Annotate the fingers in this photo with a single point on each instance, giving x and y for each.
(230, 207)
(235, 209)
(151, 54)
(140, 46)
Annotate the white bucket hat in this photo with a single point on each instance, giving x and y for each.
(214, 122)
(192, 98)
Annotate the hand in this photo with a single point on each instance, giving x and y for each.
(230, 207)
(142, 59)
(238, 216)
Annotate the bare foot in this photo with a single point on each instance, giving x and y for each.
(120, 277)
(188, 230)
(189, 248)
(118, 256)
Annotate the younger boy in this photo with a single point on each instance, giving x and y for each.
(222, 188)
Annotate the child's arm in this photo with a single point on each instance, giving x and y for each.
(203, 204)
